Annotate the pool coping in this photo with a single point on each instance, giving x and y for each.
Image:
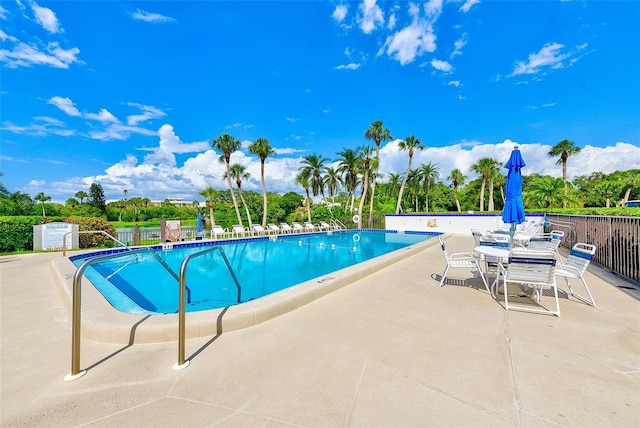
(103, 323)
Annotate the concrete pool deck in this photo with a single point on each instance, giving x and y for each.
(391, 349)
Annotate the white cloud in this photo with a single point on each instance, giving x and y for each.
(66, 105)
(350, 66)
(46, 18)
(104, 116)
(410, 42)
(3, 13)
(149, 112)
(340, 12)
(142, 15)
(455, 83)
(433, 9)
(25, 55)
(468, 4)
(548, 56)
(441, 65)
(458, 45)
(370, 16)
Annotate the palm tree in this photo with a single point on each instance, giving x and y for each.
(126, 192)
(632, 181)
(238, 173)
(493, 169)
(40, 197)
(262, 148)
(332, 181)
(303, 178)
(483, 167)
(393, 184)
(227, 145)
(428, 173)
(544, 191)
(410, 143)
(564, 148)
(81, 195)
(210, 194)
(348, 168)
(608, 189)
(457, 179)
(377, 133)
(315, 165)
(365, 161)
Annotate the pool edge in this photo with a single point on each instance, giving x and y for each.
(103, 323)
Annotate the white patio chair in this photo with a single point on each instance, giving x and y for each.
(323, 225)
(239, 230)
(460, 260)
(491, 264)
(273, 228)
(310, 227)
(534, 269)
(286, 228)
(547, 241)
(218, 232)
(575, 267)
(297, 227)
(258, 230)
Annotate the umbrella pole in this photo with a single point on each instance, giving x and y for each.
(512, 233)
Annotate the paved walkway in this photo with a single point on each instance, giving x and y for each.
(390, 350)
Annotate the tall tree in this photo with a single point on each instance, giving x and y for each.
(365, 160)
(544, 191)
(564, 148)
(238, 173)
(483, 168)
(96, 197)
(262, 148)
(40, 197)
(428, 173)
(315, 164)
(332, 181)
(631, 181)
(410, 143)
(457, 179)
(210, 195)
(378, 134)
(348, 168)
(304, 178)
(227, 145)
(81, 195)
(493, 174)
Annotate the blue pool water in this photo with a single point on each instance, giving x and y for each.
(139, 284)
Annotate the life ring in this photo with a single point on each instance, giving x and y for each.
(356, 218)
(356, 238)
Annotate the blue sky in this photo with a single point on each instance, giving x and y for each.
(130, 94)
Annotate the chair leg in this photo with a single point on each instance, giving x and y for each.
(444, 275)
(588, 301)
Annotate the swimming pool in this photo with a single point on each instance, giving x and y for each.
(139, 284)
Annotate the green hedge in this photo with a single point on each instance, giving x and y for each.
(16, 232)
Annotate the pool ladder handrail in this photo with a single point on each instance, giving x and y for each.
(77, 300)
(64, 239)
(182, 364)
(337, 224)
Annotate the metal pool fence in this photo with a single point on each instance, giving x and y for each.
(617, 240)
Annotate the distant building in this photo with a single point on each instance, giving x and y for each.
(178, 202)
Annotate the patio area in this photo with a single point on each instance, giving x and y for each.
(390, 350)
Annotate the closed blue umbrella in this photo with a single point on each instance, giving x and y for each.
(513, 211)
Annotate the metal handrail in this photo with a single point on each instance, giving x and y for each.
(76, 302)
(64, 239)
(339, 223)
(181, 364)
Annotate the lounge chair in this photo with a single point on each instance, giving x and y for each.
(258, 230)
(218, 232)
(286, 228)
(297, 227)
(323, 225)
(239, 230)
(273, 229)
(310, 226)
